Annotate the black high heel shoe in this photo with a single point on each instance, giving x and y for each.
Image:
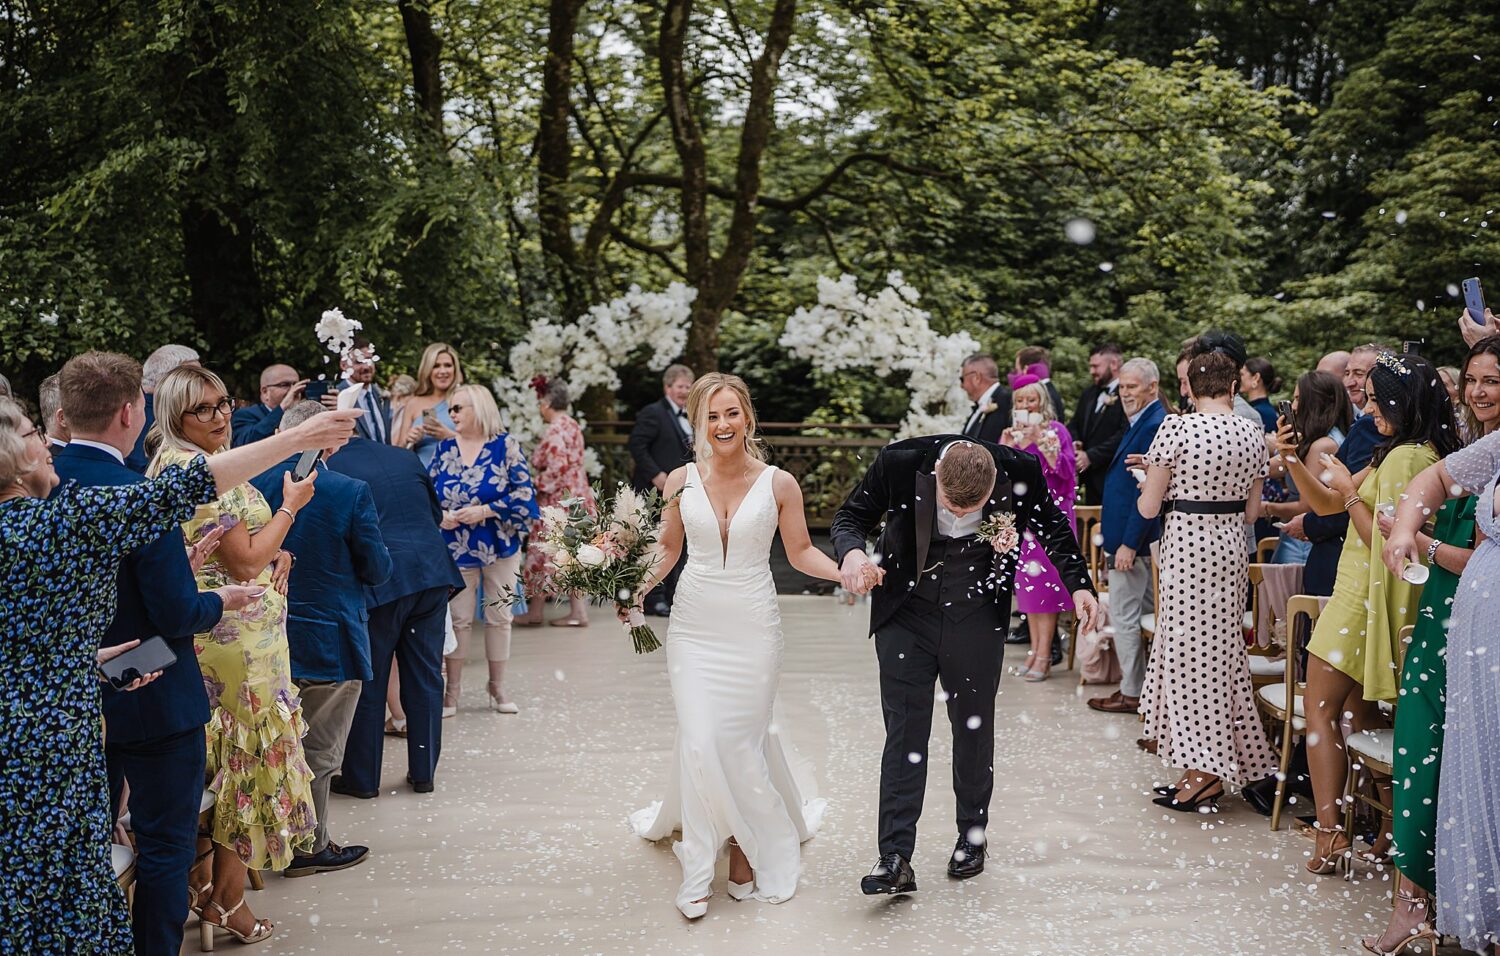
(1192, 804)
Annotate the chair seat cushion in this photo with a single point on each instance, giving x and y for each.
(1274, 697)
(123, 858)
(1262, 666)
(1148, 623)
(1378, 745)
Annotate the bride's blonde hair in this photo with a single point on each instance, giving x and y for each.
(698, 400)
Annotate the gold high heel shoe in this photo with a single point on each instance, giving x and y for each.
(1328, 859)
(1422, 931)
(258, 934)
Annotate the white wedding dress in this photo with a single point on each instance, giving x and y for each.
(734, 774)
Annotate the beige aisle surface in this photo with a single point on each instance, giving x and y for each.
(524, 847)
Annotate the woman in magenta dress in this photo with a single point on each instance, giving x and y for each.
(1040, 594)
(558, 474)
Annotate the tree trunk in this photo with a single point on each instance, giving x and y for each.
(425, 48)
(573, 286)
(224, 288)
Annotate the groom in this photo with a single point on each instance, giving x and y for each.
(940, 609)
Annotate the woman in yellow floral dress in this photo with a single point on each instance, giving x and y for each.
(264, 809)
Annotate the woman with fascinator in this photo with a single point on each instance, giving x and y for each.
(1351, 664)
(558, 475)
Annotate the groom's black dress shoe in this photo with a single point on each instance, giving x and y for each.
(892, 874)
(967, 860)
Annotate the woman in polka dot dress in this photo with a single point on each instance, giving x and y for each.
(1205, 470)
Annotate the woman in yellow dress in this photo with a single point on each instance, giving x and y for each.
(1351, 662)
(264, 808)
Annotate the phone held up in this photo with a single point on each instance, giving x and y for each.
(1474, 299)
(305, 464)
(316, 390)
(1284, 409)
(151, 656)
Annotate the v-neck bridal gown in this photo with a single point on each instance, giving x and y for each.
(734, 774)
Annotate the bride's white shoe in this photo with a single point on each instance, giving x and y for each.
(741, 891)
(695, 909)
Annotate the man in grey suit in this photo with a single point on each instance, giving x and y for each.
(661, 442)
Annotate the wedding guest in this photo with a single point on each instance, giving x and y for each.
(263, 812)
(1453, 379)
(1037, 360)
(1352, 653)
(1039, 590)
(979, 377)
(1258, 380)
(1127, 537)
(280, 389)
(359, 369)
(1321, 418)
(1357, 372)
(155, 739)
(1334, 363)
(341, 553)
(661, 442)
(55, 594)
(1467, 845)
(425, 418)
(1204, 472)
(407, 616)
(1424, 676)
(484, 487)
(558, 475)
(153, 370)
(53, 420)
(1098, 422)
(401, 389)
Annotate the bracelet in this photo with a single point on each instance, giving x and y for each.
(1432, 550)
(288, 512)
(1351, 501)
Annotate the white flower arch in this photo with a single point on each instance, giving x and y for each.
(886, 333)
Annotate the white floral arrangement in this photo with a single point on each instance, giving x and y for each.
(336, 332)
(886, 333)
(588, 353)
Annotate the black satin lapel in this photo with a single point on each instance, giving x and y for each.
(926, 514)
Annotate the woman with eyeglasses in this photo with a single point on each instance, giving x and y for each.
(264, 809)
(484, 485)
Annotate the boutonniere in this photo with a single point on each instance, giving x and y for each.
(999, 532)
(988, 408)
(1110, 398)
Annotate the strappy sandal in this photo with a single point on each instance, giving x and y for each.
(1328, 859)
(262, 931)
(1422, 931)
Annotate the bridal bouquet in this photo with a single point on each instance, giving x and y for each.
(607, 556)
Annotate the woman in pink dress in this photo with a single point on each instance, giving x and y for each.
(1040, 594)
(558, 476)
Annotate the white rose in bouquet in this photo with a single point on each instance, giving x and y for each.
(590, 556)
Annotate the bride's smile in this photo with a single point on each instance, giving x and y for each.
(726, 423)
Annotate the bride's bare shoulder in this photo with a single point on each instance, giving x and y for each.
(676, 480)
(784, 483)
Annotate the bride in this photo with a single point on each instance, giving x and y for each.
(734, 781)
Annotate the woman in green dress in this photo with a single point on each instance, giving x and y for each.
(1424, 675)
(1351, 662)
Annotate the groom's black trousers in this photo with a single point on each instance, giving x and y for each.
(918, 646)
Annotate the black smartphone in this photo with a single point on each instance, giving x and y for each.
(1412, 347)
(316, 390)
(305, 464)
(1474, 299)
(150, 656)
(1284, 409)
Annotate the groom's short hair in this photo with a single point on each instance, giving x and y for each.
(966, 473)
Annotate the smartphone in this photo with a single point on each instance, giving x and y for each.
(316, 390)
(305, 464)
(1412, 347)
(1474, 299)
(151, 656)
(1284, 409)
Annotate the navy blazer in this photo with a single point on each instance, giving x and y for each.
(155, 595)
(252, 423)
(137, 460)
(1120, 520)
(409, 516)
(340, 552)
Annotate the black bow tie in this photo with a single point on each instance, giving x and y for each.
(682, 413)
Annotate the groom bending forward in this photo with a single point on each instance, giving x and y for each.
(950, 512)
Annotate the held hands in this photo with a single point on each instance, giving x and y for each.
(236, 597)
(858, 574)
(296, 494)
(1086, 606)
(198, 554)
(109, 653)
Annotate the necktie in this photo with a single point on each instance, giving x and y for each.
(377, 427)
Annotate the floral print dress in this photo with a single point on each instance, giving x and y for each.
(58, 562)
(559, 475)
(498, 479)
(256, 765)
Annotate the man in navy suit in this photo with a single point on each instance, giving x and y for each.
(339, 552)
(407, 614)
(1128, 536)
(154, 739)
(280, 389)
(153, 370)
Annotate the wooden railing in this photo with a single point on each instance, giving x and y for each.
(826, 460)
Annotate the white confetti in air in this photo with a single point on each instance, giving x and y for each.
(1079, 231)
(914, 757)
(973, 722)
(1400, 217)
(1106, 267)
(559, 674)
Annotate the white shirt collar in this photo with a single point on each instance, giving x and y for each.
(1114, 383)
(1144, 410)
(989, 394)
(115, 452)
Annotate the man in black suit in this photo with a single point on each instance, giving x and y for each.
(1099, 422)
(407, 614)
(660, 442)
(280, 389)
(941, 602)
(990, 413)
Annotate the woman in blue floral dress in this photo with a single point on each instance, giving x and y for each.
(488, 503)
(58, 561)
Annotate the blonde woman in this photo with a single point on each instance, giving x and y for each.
(733, 781)
(484, 486)
(424, 418)
(264, 807)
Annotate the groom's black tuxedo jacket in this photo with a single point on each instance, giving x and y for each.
(898, 495)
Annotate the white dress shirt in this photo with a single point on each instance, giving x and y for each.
(978, 411)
